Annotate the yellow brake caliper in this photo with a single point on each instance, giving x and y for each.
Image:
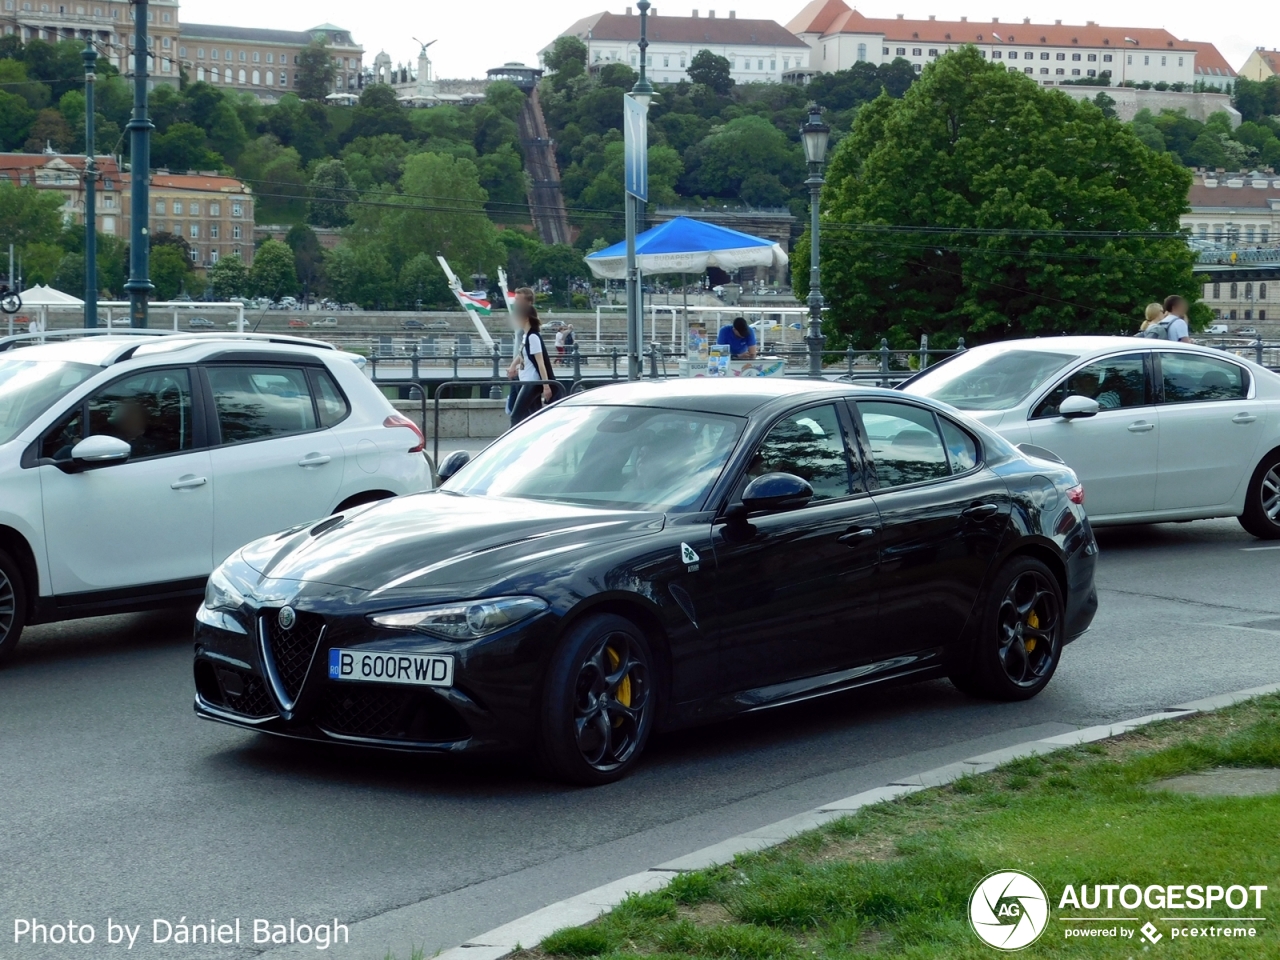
(1034, 623)
(624, 688)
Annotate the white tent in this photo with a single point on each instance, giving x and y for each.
(40, 299)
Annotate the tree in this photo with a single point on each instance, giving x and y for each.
(273, 274)
(181, 148)
(275, 174)
(1023, 175)
(229, 278)
(361, 274)
(15, 121)
(29, 215)
(308, 256)
(170, 271)
(316, 71)
(50, 129)
(378, 113)
(566, 59)
(421, 279)
(741, 149)
(711, 70)
(331, 194)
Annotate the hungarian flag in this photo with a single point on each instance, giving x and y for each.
(478, 304)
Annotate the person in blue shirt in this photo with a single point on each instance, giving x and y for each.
(739, 338)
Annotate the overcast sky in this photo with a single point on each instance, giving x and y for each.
(474, 36)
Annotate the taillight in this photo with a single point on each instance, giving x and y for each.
(1076, 494)
(400, 420)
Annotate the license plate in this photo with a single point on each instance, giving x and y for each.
(417, 669)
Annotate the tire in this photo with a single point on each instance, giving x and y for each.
(598, 702)
(13, 606)
(1019, 641)
(1261, 515)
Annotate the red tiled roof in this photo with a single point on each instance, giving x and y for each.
(719, 30)
(1211, 63)
(1223, 196)
(827, 17)
(210, 184)
(34, 161)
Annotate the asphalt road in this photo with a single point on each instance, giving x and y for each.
(115, 801)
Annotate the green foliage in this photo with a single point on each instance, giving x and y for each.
(567, 59)
(28, 215)
(971, 146)
(16, 118)
(273, 273)
(316, 71)
(711, 70)
(748, 150)
(308, 256)
(331, 195)
(229, 278)
(378, 113)
(170, 271)
(577, 942)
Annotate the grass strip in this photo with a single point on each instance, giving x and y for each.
(894, 880)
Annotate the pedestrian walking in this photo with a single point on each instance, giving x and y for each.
(1153, 314)
(560, 334)
(531, 364)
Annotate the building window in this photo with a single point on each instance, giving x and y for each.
(213, 231)
(1093, 58)
(1164, 61)
(1106, 58)
(915, 51)
(666, 61)
(1028, 69)
(633, 59)
(195, 255)
(182, 52)
(1262, 291)
(213, 74)
(917, 68)
(195, 231)
(862, 51)
(1179, 61)
(165, 18)
(1059, 71)
(257, 78)
(213, 255)
(271, 58)
(1217, 291)
(235, 231)
(242, 75)
(933, 51)
(1044, 69)
(1075, 56)
(884, 51)
(271, 78)
(243, 56)
(177, 208)
(166, 43)
(284, 79)
(199, 74)
(1044, 56)
(902, 51)
(759, 64)
(1062, 56)
(773, 65)
(1075, 72)
(1146, 61)
(1092, 73)
(160, 207)
(682, 61)
(1235, 291)
(200, 53)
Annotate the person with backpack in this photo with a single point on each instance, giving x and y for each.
(1153, 315)
(531, 364)
(1174, 324)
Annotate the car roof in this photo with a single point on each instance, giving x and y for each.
(735, 396)
(106, 350)
(1085, 344)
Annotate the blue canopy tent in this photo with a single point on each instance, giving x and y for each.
(684, 245)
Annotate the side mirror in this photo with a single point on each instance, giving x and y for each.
(452, 464)
(100, 451)
(1075, 407)
(776, 491)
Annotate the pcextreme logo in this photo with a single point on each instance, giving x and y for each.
(1008, 910)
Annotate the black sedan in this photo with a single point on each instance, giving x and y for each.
(647, 556)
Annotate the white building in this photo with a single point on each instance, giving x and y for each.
(1051, 53)
(757, 50)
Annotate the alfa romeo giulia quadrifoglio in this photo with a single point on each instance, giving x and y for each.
(648, 556)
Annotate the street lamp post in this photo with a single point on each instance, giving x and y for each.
(642, 93)
(90, 56)
(814, 134)
(140, 127)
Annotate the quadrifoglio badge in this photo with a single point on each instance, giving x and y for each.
(1009, 910)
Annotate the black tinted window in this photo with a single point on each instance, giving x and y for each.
(150, 411)
(808, 444)
(905, 444)
(1188, 378)
(1115, 382)
(254, 403)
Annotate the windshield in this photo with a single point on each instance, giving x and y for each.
(636, 458)
(984, 380)
(30, 387)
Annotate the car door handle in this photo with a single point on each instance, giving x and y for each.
(980, 511)
(186, 483)
(854, 534)
(1243, 418)
(1141, 427)
(314, 460)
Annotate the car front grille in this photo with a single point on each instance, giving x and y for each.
(292, 650)
(384, 714)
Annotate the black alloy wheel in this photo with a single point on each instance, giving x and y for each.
(13, 606)
(1020, 640)
(599, 701)
(1261, 515)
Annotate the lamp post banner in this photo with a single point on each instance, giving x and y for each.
(635, 129)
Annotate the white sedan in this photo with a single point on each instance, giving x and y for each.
(131, 466)
(1155, 430)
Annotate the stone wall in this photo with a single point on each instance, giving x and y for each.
(1131, 100)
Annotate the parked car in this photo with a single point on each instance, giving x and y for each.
(131, 466)
(326, 322)
(653, 555)
(297, 323)
(1247, 332)
(1217, 330)
(201, 323)
(1155, 430)
(413, 325)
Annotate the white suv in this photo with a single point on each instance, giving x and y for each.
(131, 466)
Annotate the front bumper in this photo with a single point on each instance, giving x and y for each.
(252, 674)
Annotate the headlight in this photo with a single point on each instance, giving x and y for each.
(464, 621)
(219, 594)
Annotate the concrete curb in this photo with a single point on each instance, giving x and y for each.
(533, 928)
